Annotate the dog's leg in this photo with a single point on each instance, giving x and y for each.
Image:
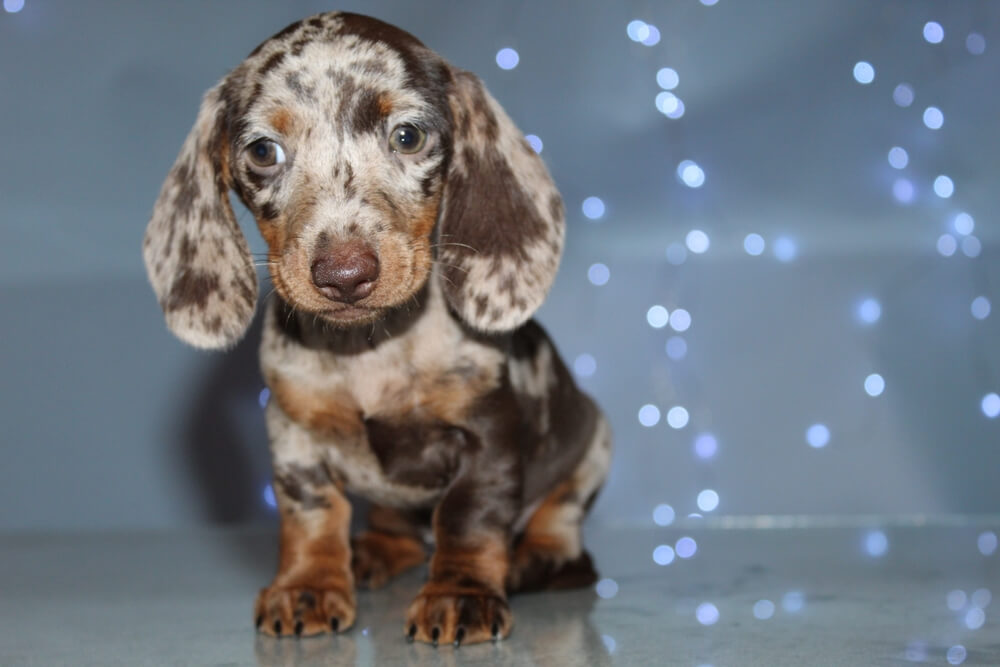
(464, 599)
(313, 591)
(550, 553)
(389, 547)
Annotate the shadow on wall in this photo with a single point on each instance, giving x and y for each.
(223, 437)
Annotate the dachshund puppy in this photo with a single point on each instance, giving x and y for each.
(412, 233)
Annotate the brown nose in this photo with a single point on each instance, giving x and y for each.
(347, 272)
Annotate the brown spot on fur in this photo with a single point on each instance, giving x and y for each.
(281, 120)
(191, 289)
(273, 61)
(333, 413)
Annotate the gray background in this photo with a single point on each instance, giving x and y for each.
(109, 422)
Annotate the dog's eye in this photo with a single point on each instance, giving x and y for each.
(265, 153)
(407, 139)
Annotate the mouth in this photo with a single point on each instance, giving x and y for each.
(349, 315)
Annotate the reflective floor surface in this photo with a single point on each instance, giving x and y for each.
(747, 593)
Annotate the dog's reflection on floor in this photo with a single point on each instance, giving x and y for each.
(553, 629)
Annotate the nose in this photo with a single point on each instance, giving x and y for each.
(347, 272)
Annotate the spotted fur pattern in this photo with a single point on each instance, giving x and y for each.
(432, 393)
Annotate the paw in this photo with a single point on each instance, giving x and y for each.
(449, 614)
(303, 611)
(378, 557)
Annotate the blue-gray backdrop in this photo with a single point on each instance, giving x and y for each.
(782, 251)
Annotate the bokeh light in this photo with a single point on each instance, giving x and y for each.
(707, 613)
(933, 32)
(903, 95)
(649, 415)
(974, 618)
(874, 385)
(975, 43)
(609, 643)
(676, 348)
(971, 246)
(697, 241)
(763, 609)
(754, 244)
(507, 58)
(991, 405)
(269, 498)
(585, 365)
(663, 555)
(680, 320)
(898, 157)
(956, 599)
(903, 190)
(263, 397)
(598, 274)
(535, 143)
(944, 187)
(793, 602)
(652, 37)
(964, 224)
(956, 655)
(676, 253)
(606, 588)
(706, 446)
(667, 78)
(663, 515)
(593, 208)
(677, 417)
(987, 542)
(686, 547)
(637, 30)
(876, 543)
(869, 311)
(690, 174)
(708, 500)
(666, 102)
(980, 308)
(818, 436)
(657, 316)
(13, 6)
(947, 245)
(784, 249)
(864, 72)
(933, 118)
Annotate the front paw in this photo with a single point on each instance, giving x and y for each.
(443, 613)
(303, 610)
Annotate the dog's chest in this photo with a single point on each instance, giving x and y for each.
(388, 419)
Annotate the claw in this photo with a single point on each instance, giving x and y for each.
(260, 620)
(412, 633)
(298, 628)
(495, 631)
(335, 624)
(435, 633)
(277, 627)
(459, 636)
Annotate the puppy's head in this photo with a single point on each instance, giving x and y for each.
(365, 158)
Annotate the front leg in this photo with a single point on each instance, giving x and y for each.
(313, 591)
(464, 599)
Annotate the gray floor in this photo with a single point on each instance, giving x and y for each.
(185, 599)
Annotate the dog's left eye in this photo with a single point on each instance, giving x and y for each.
(407, 139)
(265, 153)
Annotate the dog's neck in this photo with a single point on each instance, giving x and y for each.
(314, 332)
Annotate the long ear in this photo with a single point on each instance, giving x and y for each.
(502, 226)
(196, 256)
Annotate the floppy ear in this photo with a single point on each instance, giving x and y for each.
(502, 227)
(196, 256)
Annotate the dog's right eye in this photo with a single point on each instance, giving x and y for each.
(265, 153)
